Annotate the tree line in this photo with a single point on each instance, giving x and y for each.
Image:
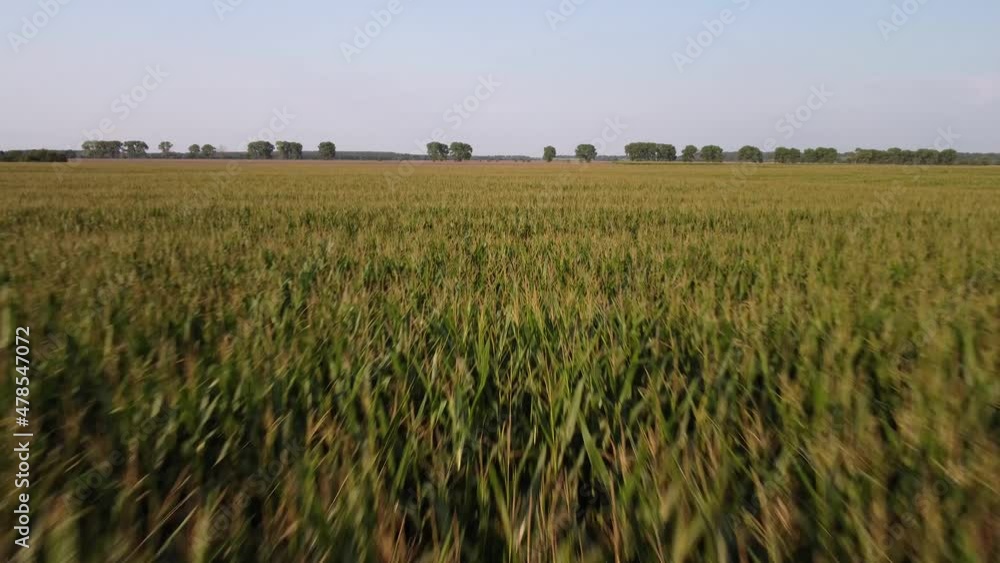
(288, 150)
(36, 155)
(656, 152)
(900, 156)
(458, 151)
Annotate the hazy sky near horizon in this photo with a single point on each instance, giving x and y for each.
(223, 69)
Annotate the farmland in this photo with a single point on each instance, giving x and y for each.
(505, 362)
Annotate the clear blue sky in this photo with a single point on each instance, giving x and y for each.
(610, 60)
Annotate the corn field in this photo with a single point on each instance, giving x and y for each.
(505, 362)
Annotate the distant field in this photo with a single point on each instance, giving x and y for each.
(506, 362)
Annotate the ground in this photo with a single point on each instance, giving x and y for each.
(506, 362)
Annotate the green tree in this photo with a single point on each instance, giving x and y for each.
(750, 153)
(166, 147)
(666, 153)
(948, 156)
(711, 153)
(194, 151)
(289, 150)
(865, 156)
(827, 155)
(586, 153)
(327, 150)
(437, 151)
(207, 151)
(810, 156)
(460, 151)
(646, 151)
(928, 156)
(549, 154)
(102, 149)
(690, 153)
(640, 151)
(260, 150)
(135, 149)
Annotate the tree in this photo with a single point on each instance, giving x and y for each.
(207, 151)
(549, 154)
(289, 150)
(102, 149)
(260, 150)
(750, 153)
(711, 153)
(586, 153)
(809, 156)
(948, 156)
(135, 149)
(827, 155)
(690, 153)
(666, 153)
(651, 151)
(460, 151)
(640, 151)
(166, 147)
(194, 151)
(327, 150)
(865, 156)
(928, 156)
(36, 155)
(437, 151)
